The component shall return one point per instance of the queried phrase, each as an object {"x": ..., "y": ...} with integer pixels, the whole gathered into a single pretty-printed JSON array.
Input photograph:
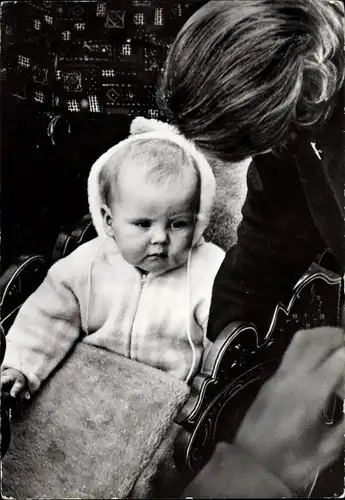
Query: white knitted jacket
[{"x": 95, "y": 295}]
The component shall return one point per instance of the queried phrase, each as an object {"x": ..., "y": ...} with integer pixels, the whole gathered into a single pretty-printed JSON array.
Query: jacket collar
[{"x": 325, "y": 207}]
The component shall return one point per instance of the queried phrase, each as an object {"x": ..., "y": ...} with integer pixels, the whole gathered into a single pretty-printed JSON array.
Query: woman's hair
[{"x": 242, "y": 74}]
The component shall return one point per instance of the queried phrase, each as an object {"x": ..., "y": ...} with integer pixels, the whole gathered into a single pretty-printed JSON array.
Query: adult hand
[{"x": 284, "y": 429}]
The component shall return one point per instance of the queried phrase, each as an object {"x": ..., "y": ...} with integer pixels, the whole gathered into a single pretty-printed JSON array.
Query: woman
[
  {"x": 244, "y": 77},
  {"x": 263, "y": 79}
]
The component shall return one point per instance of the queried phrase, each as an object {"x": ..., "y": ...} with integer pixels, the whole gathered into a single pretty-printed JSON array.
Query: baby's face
[{"x": 153, "y": 225}]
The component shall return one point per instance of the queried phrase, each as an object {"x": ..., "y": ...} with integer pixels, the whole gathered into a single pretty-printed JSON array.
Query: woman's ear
[{"x": 107, "y": 221}]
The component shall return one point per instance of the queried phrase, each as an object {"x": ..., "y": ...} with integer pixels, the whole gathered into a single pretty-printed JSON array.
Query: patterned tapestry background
[{"x": 100, "y": 57}]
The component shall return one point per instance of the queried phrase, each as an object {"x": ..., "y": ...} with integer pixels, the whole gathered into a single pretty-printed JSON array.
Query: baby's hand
[{"x": 14, "y": 382}]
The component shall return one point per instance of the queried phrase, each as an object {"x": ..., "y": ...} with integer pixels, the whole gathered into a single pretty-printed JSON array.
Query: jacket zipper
[{"x": 142, "y": 284}]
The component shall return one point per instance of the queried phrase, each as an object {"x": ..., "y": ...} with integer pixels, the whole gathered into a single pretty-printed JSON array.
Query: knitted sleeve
[{"x": 46, "y": 327}]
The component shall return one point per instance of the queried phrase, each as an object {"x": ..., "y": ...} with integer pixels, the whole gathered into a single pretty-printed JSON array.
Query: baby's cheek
[
  {"x": 179, "y": 242},
  {"x": 137, "y": 251},
  {"x": 188, "y": 240},
  {"x": 133, "y": 251},
  {"x": 180, "y": 255}
]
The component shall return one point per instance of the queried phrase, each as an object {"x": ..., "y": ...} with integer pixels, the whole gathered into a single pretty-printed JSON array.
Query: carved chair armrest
[
  {"x": 5, "y": 405},
  {"x": 233, "y": 364},
  {"x": 214, "y": 373},
  {"x": 17, "y": 283},
  {"x": 242, "y": 359},
  {"x": 2, "y": 344},
  {"x": 69, "y": 240}
]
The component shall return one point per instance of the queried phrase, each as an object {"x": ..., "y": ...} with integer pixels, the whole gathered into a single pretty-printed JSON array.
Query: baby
[{"x": 143, "y": 287}]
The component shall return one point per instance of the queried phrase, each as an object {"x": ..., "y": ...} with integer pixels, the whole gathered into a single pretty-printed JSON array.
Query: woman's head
[{"x": 241, "y": 73}]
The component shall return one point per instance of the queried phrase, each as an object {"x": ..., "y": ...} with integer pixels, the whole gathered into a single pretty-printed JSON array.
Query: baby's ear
[{"x": 107, "y": 221}]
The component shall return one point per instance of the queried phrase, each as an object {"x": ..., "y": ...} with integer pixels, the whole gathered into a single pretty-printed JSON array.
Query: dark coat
[{"x": 294, "y": 210}]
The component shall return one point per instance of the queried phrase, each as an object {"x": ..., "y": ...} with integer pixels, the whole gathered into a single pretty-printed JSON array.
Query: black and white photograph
[{"x": 172, "y": 309}]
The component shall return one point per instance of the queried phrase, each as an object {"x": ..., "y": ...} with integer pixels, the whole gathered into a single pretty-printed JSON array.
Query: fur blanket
[
  {"x": 101, "y": 427},
  {"x": 231, "y": 191}
]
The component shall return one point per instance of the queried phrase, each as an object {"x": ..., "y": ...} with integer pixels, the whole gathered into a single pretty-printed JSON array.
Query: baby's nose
[{"x": 159, "y": 235}]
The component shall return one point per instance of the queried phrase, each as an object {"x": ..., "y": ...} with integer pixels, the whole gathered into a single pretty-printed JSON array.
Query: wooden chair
[
  {"x": 240, "y": 360},
  {"x": 19, "y": 281}
]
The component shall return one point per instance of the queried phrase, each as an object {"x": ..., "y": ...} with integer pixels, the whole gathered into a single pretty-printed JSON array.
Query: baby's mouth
[{"x": 158, "y": 255}]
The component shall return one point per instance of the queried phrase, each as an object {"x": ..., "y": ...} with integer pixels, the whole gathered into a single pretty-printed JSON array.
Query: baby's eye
[
  {"x": 179, "y": 224},
  {"x": 145, "y": 224}
]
